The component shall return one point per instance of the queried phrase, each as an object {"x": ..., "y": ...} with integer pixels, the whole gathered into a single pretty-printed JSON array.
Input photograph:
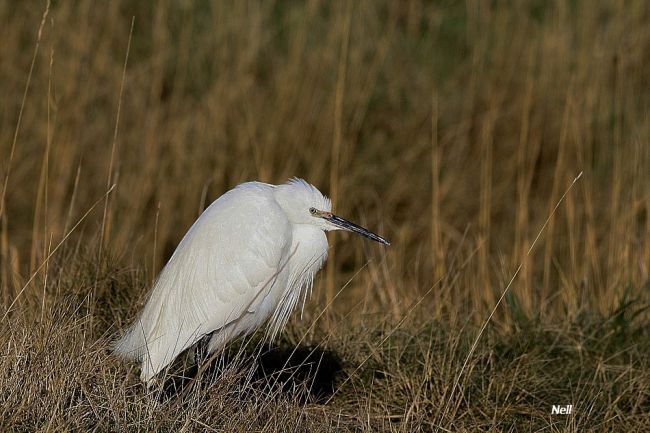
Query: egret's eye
[{"x": 312, "y": 211}]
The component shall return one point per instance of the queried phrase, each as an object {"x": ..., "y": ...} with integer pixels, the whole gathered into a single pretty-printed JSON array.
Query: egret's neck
[{"x": 309, "y": 249}]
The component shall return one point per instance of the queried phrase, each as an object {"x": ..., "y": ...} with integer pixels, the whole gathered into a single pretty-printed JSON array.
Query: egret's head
[{"x": 304, "y": 204}]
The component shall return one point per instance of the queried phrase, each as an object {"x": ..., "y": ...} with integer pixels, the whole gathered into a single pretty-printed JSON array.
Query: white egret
[{"x": 246, "y": 261}]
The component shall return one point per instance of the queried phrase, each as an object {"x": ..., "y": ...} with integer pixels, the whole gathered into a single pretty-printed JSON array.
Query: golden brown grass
[{"x": 454, "y": 128}]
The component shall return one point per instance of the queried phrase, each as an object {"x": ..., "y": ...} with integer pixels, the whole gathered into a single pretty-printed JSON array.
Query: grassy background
[{"x": 452, "y": 128}]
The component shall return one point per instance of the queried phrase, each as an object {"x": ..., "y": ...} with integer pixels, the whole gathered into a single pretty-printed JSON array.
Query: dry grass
[{"x": 451, "y": 127}]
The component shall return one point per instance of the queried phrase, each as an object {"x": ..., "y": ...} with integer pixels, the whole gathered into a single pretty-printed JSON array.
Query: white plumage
[{"x": 246, "y": 260}]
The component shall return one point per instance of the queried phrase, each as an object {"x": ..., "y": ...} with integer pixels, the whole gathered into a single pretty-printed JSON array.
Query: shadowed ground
[{"x": 301, "y": 373}]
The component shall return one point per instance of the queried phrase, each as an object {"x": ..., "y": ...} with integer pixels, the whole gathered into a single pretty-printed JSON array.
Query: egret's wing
[{"x": 229, "y": 256}]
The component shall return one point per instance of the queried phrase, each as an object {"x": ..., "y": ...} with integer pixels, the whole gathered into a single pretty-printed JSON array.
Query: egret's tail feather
[
  {"x": 132, "y": 345},
  {"x": 154, "y": 352}
]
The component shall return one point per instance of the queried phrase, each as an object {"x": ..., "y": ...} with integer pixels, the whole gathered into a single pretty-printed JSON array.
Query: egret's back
[{"x": 223, "y": 268}]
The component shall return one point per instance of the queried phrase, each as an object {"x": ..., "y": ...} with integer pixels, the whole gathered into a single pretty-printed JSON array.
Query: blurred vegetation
[{"x": 452, "y": 128}]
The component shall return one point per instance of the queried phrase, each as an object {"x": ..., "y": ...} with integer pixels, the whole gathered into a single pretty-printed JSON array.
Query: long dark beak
[{"x": 352, "y": 227}]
